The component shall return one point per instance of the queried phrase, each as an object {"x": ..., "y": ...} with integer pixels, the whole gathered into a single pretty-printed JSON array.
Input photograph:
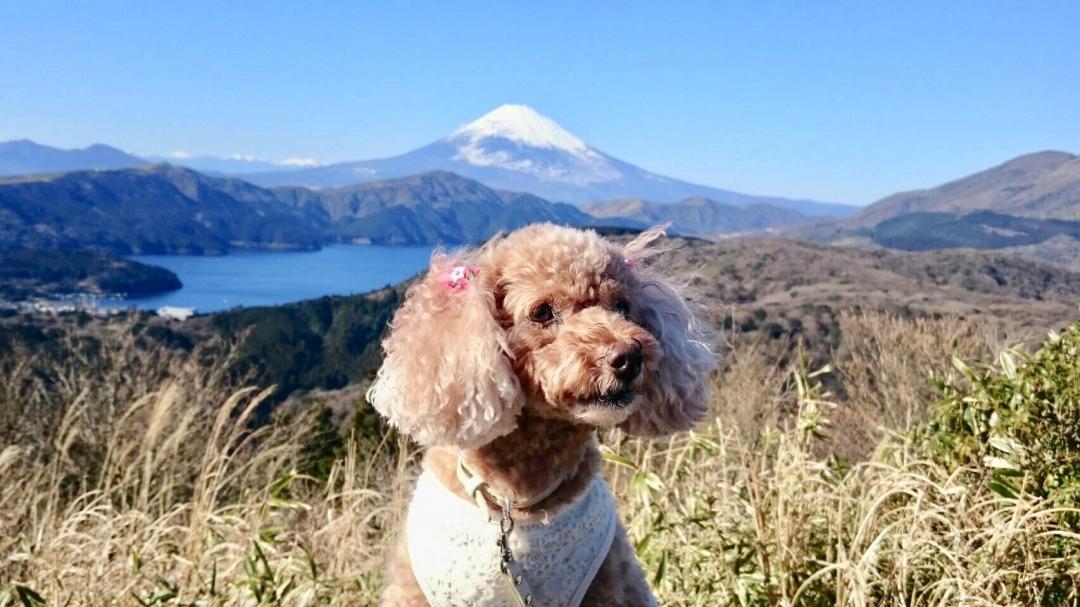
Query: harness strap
[{"x": 480, "y": 490}]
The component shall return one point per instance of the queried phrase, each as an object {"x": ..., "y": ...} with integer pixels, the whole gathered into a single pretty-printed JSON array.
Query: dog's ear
[
  {"x": 447, "y": 377},
  {"x": 677, "y": 397}
]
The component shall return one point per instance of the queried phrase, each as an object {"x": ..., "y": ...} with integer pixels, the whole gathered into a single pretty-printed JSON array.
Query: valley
[
  {"x": 998, "y": 248},
  {"x": 1020, "y": 210},
  {"x": 780, "y": 295}
]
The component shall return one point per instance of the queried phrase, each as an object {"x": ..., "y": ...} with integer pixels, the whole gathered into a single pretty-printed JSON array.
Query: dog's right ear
[{"x": 447, "y": 377}]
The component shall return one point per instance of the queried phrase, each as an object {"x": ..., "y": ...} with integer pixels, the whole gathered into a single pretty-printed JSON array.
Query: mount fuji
[{"x": 516, "y": 148}]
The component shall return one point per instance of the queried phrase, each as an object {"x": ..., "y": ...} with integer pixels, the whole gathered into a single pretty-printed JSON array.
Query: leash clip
[{"x": 515, "y": 574}]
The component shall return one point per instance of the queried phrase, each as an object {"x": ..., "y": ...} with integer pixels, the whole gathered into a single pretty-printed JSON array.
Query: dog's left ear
[
  {"x": 677, "y": 398},
  {"x": 447, "y": 377}
]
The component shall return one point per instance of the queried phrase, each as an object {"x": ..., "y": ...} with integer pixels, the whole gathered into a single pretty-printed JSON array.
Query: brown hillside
[
  {"x": 786, "y": 289},
  {"x": 1044, "y": 185}
]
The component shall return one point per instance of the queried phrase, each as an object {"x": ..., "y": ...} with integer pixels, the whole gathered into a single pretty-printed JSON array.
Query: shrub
[
  {"x": 1019, "y": 421},
  {"x": 719, "y": 521}
]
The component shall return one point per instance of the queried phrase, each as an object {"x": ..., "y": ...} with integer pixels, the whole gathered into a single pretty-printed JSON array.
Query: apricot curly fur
[{"x": 514, "y": 372}]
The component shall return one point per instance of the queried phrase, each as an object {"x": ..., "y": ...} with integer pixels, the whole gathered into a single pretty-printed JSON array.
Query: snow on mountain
[
  {"x": 234, "y": 164},
  {"x": 517, "y": 138},
  {"x": 523, "y": 124},
  {"x": 299, "y": 161},
  {"x": 516, "y": 148}
]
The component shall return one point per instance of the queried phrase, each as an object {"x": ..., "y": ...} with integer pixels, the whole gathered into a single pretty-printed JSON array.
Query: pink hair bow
[{"x": 457, "y": 279}]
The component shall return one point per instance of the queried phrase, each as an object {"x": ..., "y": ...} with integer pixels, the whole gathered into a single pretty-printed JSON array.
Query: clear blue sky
[{"x": 844, "y": 101}]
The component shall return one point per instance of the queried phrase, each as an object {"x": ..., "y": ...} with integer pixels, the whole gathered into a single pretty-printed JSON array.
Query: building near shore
[{"x": 175, "y": 313}]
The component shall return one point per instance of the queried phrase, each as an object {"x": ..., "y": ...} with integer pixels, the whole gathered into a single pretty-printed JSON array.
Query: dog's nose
[{"x": 626, "y": 361}]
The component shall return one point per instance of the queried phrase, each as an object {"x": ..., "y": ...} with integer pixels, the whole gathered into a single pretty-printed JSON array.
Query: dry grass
[
  {"x": 175, "y": 499},
  {"x": 720, "y": 522},
  {"x": 164, "y": 495},
  {"x": 886, "y": 369}
]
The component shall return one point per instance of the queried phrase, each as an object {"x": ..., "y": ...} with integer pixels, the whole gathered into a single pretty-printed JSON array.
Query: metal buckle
[{"x": 515, "y": 574}]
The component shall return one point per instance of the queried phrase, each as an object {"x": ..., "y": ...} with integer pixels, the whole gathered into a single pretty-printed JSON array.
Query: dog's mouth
[{"x": 616, "y": 398}]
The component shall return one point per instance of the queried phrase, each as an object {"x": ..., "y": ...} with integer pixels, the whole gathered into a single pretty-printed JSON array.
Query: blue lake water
[{"x": 267, "y": 278}]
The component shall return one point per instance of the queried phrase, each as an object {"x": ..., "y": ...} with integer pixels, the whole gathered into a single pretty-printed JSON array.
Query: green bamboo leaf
[
  {"x": 970, "y": 420},
  {"x": 618, "y": 460},
  {"x": 999, "y": 463},
  {"x": 1003, "y": 487},
  {"x": 29, "y": 597},
  {"x": 1006, "y": 444},
  {"x": 1008, "y": 365},
  {"x": 661, "y": 568}
]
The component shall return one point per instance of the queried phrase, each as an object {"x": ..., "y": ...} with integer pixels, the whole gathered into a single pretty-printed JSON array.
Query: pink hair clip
[
  {"x": 458, "y": 278},
  {"x": 632, "y": 263}
]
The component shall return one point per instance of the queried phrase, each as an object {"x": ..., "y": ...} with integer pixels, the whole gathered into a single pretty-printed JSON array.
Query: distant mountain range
[
  {"x": 1043, "y": 185},
  {"x": 24, "y": 157},
  {"x": 512, "y": 148},
  {"x": 152, "y": 209},
  {"x": 434, "y": 207},
  {"x": 515, "y": 148},
  {"x": 695, "y": 216},
  {"x": 1029, "y": 205},
  {"x": 236, "y": 166},
  {"x": 167, "y": 209}
]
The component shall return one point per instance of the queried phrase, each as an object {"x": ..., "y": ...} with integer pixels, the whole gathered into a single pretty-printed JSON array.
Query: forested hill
[
  {"x": 155, "y": 209},
  {"x": 28, "y": 273},
  {"x": 167, "y": 209}
]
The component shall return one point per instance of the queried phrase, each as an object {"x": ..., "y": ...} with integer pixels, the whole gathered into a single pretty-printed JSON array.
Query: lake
[{"x": 268, "y": 278}]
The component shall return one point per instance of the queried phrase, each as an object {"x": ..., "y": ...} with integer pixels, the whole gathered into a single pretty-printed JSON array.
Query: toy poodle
[{"x": 503, "y": 361}]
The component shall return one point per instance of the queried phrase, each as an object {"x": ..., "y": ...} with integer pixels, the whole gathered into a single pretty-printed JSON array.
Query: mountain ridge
[
  {"x": 150, "y": 209},
  {"x": 516, "y": 148},
  {"x": 431, "y": 207},
  {"x": 1028, "y": 205},
  {"x": 1044, "y": 185},
  {"x": 230, "y": 166},
  {"x": 168, "y": 209},
  {"x": 24, "y": 157},
  {"x": 696, "y": 215}
]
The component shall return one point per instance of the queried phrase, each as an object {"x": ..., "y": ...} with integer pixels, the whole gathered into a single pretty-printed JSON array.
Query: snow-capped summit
[
  {"x": 516, "y": 148},
  {"x": 522, "y": 124},
  {"x": 518, "y": 138}
]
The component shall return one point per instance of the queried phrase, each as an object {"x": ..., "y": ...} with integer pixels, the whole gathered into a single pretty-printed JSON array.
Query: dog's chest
[{"x": 455, "y": 558}]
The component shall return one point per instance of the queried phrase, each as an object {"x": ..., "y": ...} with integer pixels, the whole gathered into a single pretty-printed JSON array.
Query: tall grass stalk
[{"x": 128, "y": 491}]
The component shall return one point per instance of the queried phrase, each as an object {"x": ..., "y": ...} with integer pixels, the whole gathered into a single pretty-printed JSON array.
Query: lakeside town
[{"x": 87, "y": 304}]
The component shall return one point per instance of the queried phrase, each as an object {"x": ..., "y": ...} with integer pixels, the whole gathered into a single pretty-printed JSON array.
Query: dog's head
[{"x": 555, "y": 319}]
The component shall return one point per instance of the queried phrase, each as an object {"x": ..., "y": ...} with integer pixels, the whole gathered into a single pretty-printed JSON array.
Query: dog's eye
[
  {"x": 542, "y": 314},
  {"x": 621, "y": 306}
]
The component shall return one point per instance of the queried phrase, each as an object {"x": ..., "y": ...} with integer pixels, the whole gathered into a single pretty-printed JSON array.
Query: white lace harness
[{"x": 453, "y": 548}]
